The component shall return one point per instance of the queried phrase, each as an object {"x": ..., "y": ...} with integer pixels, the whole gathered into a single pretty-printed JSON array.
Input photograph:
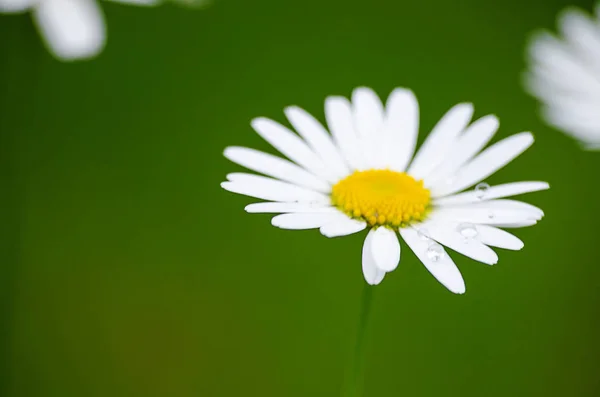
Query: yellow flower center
[{"x": 382, "y": 197}]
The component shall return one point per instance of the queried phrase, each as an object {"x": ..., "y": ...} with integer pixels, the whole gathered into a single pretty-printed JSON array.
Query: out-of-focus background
[{"x": 127, "y": 271}]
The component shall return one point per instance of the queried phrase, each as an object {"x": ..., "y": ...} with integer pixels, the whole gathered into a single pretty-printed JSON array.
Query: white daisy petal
[
  {"x": 507, "y": 206},
  {"x": 270, "y": 189},
  {"x": 401, "y": 128},
  {"x": 368, "y": 120},
  {"x": 275, "y": 167},
  {"x": 303, "y": 221},
  {"x": 318, "y": 139},
  {"x": 448, "y": 234},
  {"x": 72, "y": 29},
  {"x": 373, "y": 275},
  {"x": 494, "y": 192},
  {"x": 338, "y": 112},
  {"x": 558, "y": 60},
  {"x": 490, "y": 235},
  {"x": 436, "y": 260},
  {"x": 563, "y": 74},
  {"x": 342, "y": 227},
  {"x": 483, "y": 215},
  {"x": 353, "y": 179},
  {"x": 475, "y": 137},
  {"x": 583, "y": 34},
  {"x": 280, "y": 208},
  {"x": 488, "y": 162},
  {"x": 10, "y": 6},
  {"x": 385, "y": 249},
  {"x": 291, "y": 146},
  {"x": 368, "y": 113},
  {"x": 440, "y": 140},
  {"x": 516, "y": 224}
]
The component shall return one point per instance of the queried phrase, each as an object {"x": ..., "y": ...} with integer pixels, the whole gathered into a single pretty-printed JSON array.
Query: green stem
[{"x": 354, "y": 380}]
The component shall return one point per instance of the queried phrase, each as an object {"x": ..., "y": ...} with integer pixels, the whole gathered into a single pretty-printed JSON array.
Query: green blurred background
[{"x": 127, "y": 271}]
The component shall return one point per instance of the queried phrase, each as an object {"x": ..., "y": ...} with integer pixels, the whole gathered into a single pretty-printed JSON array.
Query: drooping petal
[
  {"x": 401, "y": 128},
  {"x": 275, "y": 167},
  {"x": 342, "y": 227},
  {"x": 487, "y": 163},
  {"x": 270, "y": 189},
  {"x": 318, "y": 139},
  {"x": 494, "y": 192},
  {"x": 385, "y": 249},
  {"x": 72, "y": 29},
  {"x": 439, "y": 263},
  {"x": 475, "y": 137},
  {"x": 492, "y": 236},
  {"x": 338, "y": 112},
  {"x": 439, "y": 142},
  {"x": 291, "y": 146},
  {"x": 448, "y": 234},
  {"x": 303, "y": 221},
  {"x": 373, "y": 275}
]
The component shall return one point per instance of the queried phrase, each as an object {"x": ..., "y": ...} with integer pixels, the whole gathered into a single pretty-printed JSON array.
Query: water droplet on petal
[
  {"x": 481, "y": 190},
  {"x": 491, "y": 215},
  {"x": 467, "y": 230},
  {"x": 435, "y": 252}
]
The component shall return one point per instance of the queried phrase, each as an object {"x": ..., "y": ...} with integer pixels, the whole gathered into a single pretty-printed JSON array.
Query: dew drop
[
  {"x": 435, "y": 252},
  {"x": 491, "y": 215},
  {"x": 467, "y": 230},
  {"x": 481, "y": 190}
]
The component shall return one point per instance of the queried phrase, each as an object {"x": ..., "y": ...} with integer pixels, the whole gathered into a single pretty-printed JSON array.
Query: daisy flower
[
  {"x": 564, "y": 74},
  {"x": 362, "y": 175},
  {"x": 71, "y": 29}
]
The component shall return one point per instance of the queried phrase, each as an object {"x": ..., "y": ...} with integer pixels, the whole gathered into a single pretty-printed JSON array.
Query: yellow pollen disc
[{"x": 382, "y": 197}]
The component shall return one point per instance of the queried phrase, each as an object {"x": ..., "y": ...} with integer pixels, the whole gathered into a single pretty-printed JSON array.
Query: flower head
[
  {"x": 71, "y": 29},
  {"x": 564, "y": 74},
  {"x": 362, "y": 174}
]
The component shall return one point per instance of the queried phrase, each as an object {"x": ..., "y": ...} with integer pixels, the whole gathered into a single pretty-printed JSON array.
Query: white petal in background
[
  {"x": 72, "y": 29},
  {"x": 10, "y": 6}
]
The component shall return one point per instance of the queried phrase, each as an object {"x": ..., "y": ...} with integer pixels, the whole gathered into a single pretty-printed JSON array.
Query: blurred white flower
[
  {"x": 71, "y": 29},
  {"x": 564, "y": 74},
  {"x": 365, "y": 175}
]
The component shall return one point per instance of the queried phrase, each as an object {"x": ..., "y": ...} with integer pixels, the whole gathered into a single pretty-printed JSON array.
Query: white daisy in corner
[
  {"x": 71, "y": 29},
  {"x": 564, "y": 74},
  {"x": 363, "y": 175}
]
